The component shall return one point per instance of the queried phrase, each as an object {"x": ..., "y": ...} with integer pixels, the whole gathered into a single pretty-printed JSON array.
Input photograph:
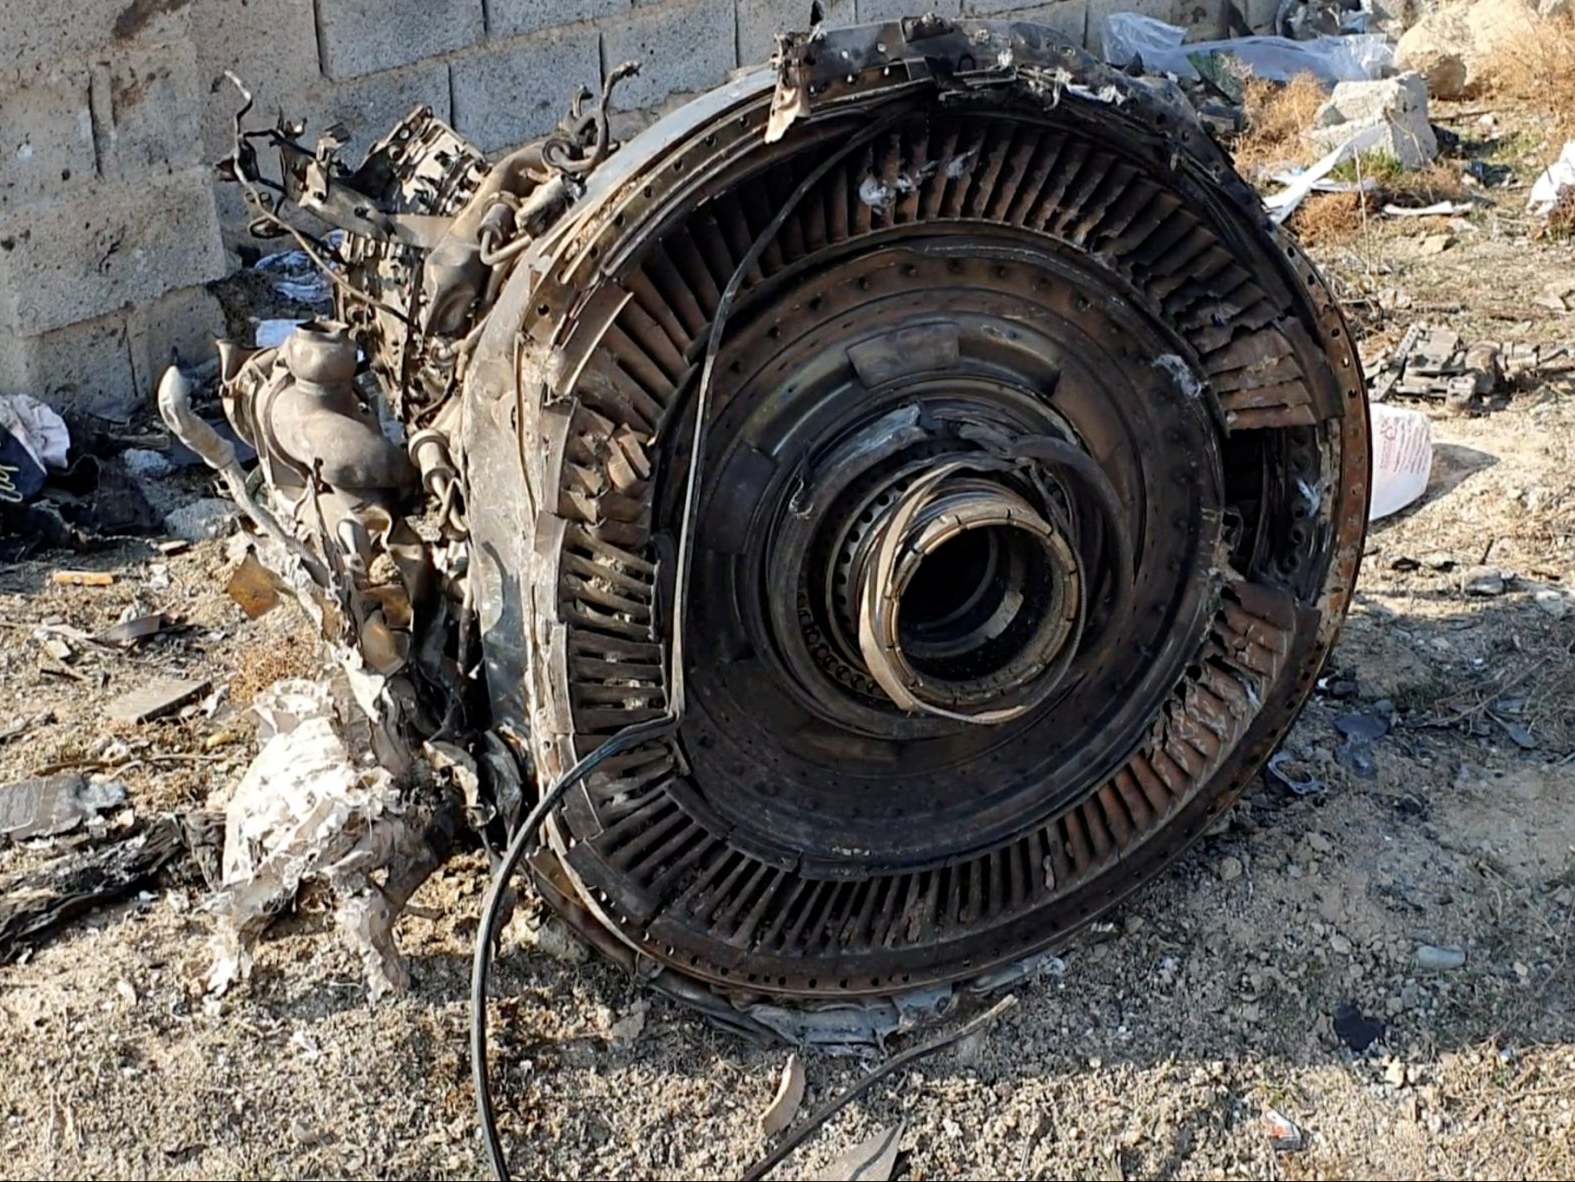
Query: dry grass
[
  {"x": 1540, "y": 73},
  {"x": 1560, "y": 225},
  {"x": 1332, "y": 219},
  {"x": 1276, "y": 117}
]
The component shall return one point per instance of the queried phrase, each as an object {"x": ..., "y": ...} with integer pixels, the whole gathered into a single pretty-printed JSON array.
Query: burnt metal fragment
[{"x": 928, "y": 436}]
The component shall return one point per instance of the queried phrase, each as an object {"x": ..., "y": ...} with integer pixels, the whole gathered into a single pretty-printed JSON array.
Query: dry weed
[
  {"x": 1540, "y": 73},
  {"x": 1332, "y": 219},
  {"x": 1276, "y": 117}
]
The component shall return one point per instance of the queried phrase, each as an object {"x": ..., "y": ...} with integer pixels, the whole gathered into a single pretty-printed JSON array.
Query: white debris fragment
[
  {"x": 1181, "y": 373},
  {"x": 1558, "y": 176},
  {"x": 40, "y": 431},
  {"x": 270, "y": 334},
  {"x": 1402, "y": 458},
  {"x": 296, "y": 277},
  {"x": 789, "y": 1095},
  {"x": 305, "y": 811}
]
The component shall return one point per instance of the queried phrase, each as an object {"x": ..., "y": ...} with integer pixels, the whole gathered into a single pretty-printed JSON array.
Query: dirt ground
[{"x": 1227, "y": 990}]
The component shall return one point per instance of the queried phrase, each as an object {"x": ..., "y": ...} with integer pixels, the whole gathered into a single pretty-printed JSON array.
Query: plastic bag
[
  {"x": 1161, "y": 48},
  {"x": 1561, "y": 175},
  {"x": 1402, "y": 458}
]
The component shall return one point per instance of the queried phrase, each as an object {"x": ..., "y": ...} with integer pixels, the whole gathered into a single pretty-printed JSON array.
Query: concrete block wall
[{"x": 112, "y": 112}]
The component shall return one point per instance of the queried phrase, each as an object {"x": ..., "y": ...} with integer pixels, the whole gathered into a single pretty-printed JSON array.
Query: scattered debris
[
  {"x": 783, "y": 1108},
  {"x": 1229, "y": 868},
  {"x": 1389, "y": 115},
  {"x": 1432, "y": 959},
  {"x": 1554, "y": 602},
  {"x": 1356, "y": 1030},
  {"x": 1558, "y": 176},
  {"x": 297, "y": 278},
  {"x": 133, "y": 630},
  {"x": 48, "y": 806},
  {"x": 34, "y": 904},
  {"x": 305, "y": 811},
  {"x": 1482, "y": 581},
  {"x": 873, "y": 1159},
  {"x": 254, "y": 587},
  {"x": 1293, "y": 775},
  {"x": 161, "y": 696},
  {"x": 82, "y": 578},
  {"x": 1438, "y": 209},
  {"x": 1285, "y": 1135}
]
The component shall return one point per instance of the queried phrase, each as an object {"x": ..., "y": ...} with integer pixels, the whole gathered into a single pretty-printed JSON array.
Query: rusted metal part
[{"x": 1029, "y": 496}]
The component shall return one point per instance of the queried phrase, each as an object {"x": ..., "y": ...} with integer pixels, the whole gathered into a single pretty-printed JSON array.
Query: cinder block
[
  {"x": 514, "y": 18},
  {"x": 179, "y": 325},
  {"x": 271, "y": 45},
  {"x": 1067, "y": 17},
  {"x": 759, "y": 21},
  {"x": 370, "y": 106},
  {"x": 85, "y": 367},
  {"x": 682, "y": 45},
  {"x": 121, "y": 243},
  {"x": 364, "y": 36},
  {"x": 890, "y": 10},
  {"x": 1098, "y": 10},
  {"x": 520, "y": 90},
  {"x": 46, "y": 133},
  {"x": 53, "y": 31},
  {"x": 146, "y": 109}
]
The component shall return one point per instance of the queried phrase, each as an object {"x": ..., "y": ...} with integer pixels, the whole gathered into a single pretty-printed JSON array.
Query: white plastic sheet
[
  {"x": 37, "y": 428},
  {"x": 1162, "y": 48},
  {"x": 1560, "y": 175}
]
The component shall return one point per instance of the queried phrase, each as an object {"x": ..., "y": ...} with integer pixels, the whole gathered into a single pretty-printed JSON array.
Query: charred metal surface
[{"x": 1032, "y": 493}]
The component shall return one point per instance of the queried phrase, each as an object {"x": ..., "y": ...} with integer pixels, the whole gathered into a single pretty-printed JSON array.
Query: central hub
[{"x": 968, "y": 597}]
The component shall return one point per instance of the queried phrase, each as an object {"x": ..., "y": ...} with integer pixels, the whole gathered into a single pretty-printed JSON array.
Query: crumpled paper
[{"x": 304, "y": 811}]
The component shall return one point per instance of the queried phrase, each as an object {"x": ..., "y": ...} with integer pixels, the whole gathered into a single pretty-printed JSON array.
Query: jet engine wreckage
[{"x": 878, "y": 516}]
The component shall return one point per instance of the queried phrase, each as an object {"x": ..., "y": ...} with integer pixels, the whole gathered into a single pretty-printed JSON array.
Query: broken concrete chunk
[
  {"x": 48, "y": 806},
  {"x": 1453, "y": 44},
  {"x": 163, "y": 695},
  {"x": 1395, "y": 107},
  {"x": 204, "y": 518}
]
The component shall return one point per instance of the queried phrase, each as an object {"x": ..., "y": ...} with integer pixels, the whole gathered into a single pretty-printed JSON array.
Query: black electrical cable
[
  {"x": 481, "y": 965},
  {"x": 640, "y": 732}
]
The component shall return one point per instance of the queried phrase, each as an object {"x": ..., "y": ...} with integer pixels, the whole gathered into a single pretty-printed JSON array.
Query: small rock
[
  {"x": 1438, "y": 560},
  {"x": 1340, "y": 944},
  {"x": 1555, "y": 603},
  {"x": 206, "y": 517},
  {"x": 1436, "y": 243},
  {"x": 1482, "y": 580},
  {"x": 1320, "y": 843},
  {"x": 1229, "y": 868},
  {"x": 1394, "y": 1074},
  {"x": 142, "y": 461},
  {"x": 1432, "y": 959}
]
